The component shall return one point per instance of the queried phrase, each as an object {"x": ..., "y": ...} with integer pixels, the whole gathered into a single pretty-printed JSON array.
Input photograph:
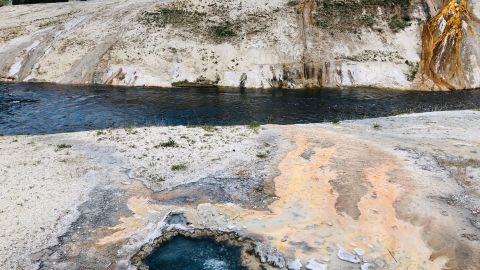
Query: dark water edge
[
  {"x": 182, "y": 253},
  {"x": 40, "y": 108}
]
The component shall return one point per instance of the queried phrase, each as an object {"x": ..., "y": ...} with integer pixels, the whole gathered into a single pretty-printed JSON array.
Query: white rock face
[{"x": 157, "y": 43}]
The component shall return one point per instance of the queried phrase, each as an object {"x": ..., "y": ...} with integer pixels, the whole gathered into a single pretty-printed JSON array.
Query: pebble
[
  {"x": 367, "y": 266},
  {"x": 294, "y": 265},
  {"x": 314, "y": 265},
  {"x": 347, "y": 256}
]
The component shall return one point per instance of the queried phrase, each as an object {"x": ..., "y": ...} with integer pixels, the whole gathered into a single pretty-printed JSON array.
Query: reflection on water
[
  {"x": 182, "y": 253},
  {"x": 48, "y": 108}
]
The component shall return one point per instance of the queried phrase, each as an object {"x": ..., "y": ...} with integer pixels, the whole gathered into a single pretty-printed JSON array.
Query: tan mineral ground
[{"x": 389, "y": 193}]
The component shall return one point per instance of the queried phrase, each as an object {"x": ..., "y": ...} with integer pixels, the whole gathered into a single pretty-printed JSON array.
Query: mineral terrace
[{"x": 390, "y": 193}]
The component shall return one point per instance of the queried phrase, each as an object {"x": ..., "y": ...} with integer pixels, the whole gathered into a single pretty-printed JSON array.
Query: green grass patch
[
  {"x": 412, "y": 70},
  {"x": 169, "y": 143},
  {"x": 178, "y": 167},
  {"x": 223, "y": 30},
  {"x": 62, "y": 147},
  {"x": 397, "y": 23},
  {"x": 262, "y": 155},
  {"x": 253, "y": 125}
]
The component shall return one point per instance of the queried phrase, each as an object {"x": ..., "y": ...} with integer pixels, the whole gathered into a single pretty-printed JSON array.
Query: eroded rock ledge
[{"x": 398, "y": 44}]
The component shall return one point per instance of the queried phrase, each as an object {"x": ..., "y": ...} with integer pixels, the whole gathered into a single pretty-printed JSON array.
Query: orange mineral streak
[
  {"x": 304, "y": 221},
  {"x": 305, "y": 211},
  {"x": 441, "y": 45}
]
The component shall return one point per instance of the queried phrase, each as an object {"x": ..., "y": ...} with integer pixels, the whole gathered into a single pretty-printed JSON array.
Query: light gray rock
[
  {"x": 359, "y": 251},
  {"x": 294, "y": 265},
  {"x": 347, "y": 256},
  {"x": 367, "y": 266},
  {"x": 314, "y": 265}
]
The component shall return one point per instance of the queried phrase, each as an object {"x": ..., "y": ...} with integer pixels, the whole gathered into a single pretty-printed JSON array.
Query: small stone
[
  {"x": 347, "y": 256},
  {"x": 294, "y": 265},
  {"x": 314, "y": 265},
  {"x": 367, "y": 266},
  {"x": 359, "y": 251}
]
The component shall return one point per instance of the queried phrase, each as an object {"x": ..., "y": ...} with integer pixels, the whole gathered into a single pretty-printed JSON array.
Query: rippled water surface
[
  {"x": 49, "y": 108},
  {"x": 182, "y": 253}
]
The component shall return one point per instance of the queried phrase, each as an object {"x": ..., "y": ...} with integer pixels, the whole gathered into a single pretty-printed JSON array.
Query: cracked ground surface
[{"x": 388, "y": 193}]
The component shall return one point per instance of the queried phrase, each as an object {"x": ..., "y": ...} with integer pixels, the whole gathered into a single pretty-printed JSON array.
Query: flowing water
[
  {"x": 50, "y": 108},
  {"x": 182, "y": 253}
]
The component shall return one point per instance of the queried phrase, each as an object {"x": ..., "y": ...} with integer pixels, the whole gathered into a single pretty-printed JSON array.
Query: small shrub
[
  {"x": 412, "y": 70},
  {"x": 376, "y": 126},
  {"x": 253, "y": 125},
  {"x": 223, "y": 30},
  {"x": 178, "y": 167},
  {"x": 336, "y": 121},
  {"x": 180, "y": 83},
  {"x": 292, "y": 3},
  {"x": 368, "y": 20},
  {"x": 63, "y": 146},
  {"x": 397, "y": 23},
  {"x": 262, "y": 155},
  {"x": 169, "y": 143}
]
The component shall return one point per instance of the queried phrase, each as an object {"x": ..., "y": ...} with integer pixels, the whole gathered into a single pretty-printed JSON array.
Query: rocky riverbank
[
  {"x": 398, "y": 44},
  {"x": 388, "y": 193}
]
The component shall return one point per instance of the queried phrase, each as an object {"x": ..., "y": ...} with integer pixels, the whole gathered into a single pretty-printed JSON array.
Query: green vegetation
[
  {"x": 336, "y": 121},
  {"x": 169, "y": 143},
  {"x": 166, "y": 15},
  {"x": 397, "y": 23},
  {"x": 207, "y": 128},
  {"x": 367, "y": 20},
  {"x": 412, "y": 71},
  {"x": 262, "y": 155},
  {"x": 346, "y": 15},
  {"x": 253, "y": 125},
  {"x": 376, "y": 126},
  {"x": 386, "y": 3},
  {"x": 180, "y": 83},
  {"x": 178, "y": 167},
  {"x": 223, "y": 30},
  {"x": 5, "y": 3},
  {"x": 62, "y": 146},
  {"x": 292, "y": 3}
]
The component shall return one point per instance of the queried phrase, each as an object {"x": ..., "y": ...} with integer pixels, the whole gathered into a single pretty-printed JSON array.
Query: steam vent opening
[{"x": 204, "y": 253}]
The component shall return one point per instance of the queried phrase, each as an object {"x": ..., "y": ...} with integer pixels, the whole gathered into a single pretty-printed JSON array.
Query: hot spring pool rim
[{"x": 249, "y": 253}]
